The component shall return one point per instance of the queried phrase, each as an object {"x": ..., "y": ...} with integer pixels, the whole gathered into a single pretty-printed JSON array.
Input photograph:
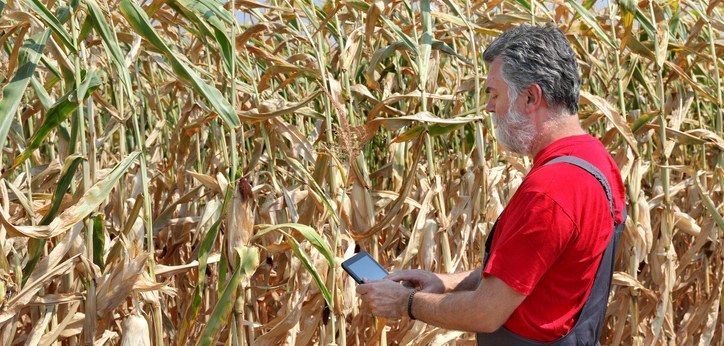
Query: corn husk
[{"x": 135, "y": 331}]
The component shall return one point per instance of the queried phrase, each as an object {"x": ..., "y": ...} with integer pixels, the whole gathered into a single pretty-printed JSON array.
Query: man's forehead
[{"x": 493, "y": 81}]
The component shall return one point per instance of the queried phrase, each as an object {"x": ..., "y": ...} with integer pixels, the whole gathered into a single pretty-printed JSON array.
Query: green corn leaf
[
  {"x": 201, "y": 13},
  {"x": 307, "y": 262},
  {"x": 381, "y": 54},
  {"x": 62, "y": 109},
  {"x": 645, "y": 23},
  {"x": 208, "y": 7},
  {"x": 309, "y": 233},
  {"x": 425, "y": 42},
  {"x": 35, "y": 250},
  {"x": 48, "y": 18},
  {"x": 360, "y": 5},
  {"x": 445, "y": 48},
  {"x": 643, "y": 120},
  {"x": 590, "y": 20},
  {"x": 588, "y": 4},
  {"x": 309, "y": 14},
  {"x": 66, "y": 178},
  {"x": 42, "y": 95},
  {"x": 433, "y": 130},
  {"x": 457, "y": 12},
  {"x": 410, "y": 134},
  {"x": 249, "y": 260},
  {"x": 111, "y": 43},
  {"x": 709, "y": 204},
  {"x": 28, "y": 58},
  {"x": 409, "y": 42},
  {"x": 57, "y": 74},
  {"x": 85, "y": 29},
  {"x": 98, "y": 241},
  {"x": 225, "y": 44},
  {"x": 526, "y": 4},
  {"x": 140, "y": 23},
  {"x": 210, "y": 10},
  {"x": 639, "y": 48},
  {"x": 223, "y": 268},
  {"x": 646, "y": 84},
  {"x": 138, "y": 19}
]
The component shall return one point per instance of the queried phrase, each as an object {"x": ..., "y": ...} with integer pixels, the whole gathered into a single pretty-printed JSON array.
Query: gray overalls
[{"x": 587, "y": 329}]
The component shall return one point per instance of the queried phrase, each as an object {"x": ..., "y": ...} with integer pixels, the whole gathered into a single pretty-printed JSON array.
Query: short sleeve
[{"x": 530, "y": 236}]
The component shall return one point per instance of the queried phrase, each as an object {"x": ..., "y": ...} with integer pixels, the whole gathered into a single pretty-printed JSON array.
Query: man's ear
[{"x": 533, "y": 96}]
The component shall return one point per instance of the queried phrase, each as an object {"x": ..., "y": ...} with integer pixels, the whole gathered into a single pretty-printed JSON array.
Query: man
[{"x": 549, "y": 241}]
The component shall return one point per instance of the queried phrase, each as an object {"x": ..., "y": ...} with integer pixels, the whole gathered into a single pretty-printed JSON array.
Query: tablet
[{"x": 362, "y": 266}]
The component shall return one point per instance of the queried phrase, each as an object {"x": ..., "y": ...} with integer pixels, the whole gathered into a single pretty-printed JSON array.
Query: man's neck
[{"x": 553, "y": 129}]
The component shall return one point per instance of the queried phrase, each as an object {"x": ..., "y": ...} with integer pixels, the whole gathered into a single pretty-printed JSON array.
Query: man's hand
[
  {"x": 386, "y": 298},
  {"x": 425, "y": 281}
]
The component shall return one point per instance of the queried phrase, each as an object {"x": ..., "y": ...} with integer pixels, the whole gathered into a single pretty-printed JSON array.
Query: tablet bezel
[{"x": 358, "y": 256}]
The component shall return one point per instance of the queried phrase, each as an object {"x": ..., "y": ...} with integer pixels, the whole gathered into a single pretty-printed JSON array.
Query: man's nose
[{"x": 490, "y": 107}]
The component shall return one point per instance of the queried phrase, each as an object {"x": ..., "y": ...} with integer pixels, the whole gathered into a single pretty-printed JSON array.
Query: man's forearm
[
  {"x": 483, "y": 309},
  {"x": 464, "y": 281},
  {"x": 455, "y": 311}
]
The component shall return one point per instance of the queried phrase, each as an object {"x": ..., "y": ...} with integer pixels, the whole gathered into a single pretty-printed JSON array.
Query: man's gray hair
[{"x": 540, "y": 55}]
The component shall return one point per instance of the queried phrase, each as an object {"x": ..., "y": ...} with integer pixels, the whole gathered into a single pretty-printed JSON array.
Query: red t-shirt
[{"x": 550, "y": 238}]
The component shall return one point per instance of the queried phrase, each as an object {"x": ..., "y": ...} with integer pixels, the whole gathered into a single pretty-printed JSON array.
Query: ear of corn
[
  {"x": 135, "y": 331},
  {"x": 231, "y": 154}
]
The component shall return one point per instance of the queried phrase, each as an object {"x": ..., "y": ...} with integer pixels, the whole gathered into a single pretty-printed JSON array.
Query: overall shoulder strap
[{"x": 594, "y": 172}]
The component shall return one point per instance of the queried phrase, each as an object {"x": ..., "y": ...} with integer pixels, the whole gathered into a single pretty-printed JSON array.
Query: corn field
[{"x": 181, "y": 172}]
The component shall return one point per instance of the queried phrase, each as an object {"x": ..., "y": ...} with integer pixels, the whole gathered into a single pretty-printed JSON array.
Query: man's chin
[{"x": 511, "y": 148}]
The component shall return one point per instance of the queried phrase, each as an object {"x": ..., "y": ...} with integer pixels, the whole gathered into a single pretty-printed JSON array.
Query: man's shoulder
[
  {"x": 555, "y": 178},
  {"x": 568, "y": 186}
]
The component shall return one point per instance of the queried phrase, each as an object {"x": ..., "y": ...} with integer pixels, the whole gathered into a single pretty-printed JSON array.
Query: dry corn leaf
[
  {"x": 114, "y": 286},
  {"x": 285, "y": 323},
  {"x": 72, "y": 317},
  {"x": 177, "y": 269},
  {"x": 22, "y": 298},
  {"x": 428, "y": 251},
  {"x": 625, "y": 279},
  {"x": 614, "y": 117},
  {"x": 105, "y": 338}
]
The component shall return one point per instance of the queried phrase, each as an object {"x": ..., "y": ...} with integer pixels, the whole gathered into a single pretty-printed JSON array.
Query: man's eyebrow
[{"x": 487, "y": 90}]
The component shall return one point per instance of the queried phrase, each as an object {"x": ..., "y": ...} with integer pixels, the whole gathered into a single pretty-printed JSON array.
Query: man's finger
[
  {"x": 363, "y": 289},
  {"x": 408, "y": 284},
  {"x": 404, "y": 275},
  {"x": 429, "y": 289}
]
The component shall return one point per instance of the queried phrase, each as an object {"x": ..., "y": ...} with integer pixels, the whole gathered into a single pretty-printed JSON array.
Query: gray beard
[{"x": 515, "y": 132}]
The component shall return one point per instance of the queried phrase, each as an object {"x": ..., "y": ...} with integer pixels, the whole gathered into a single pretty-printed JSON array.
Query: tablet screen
[{"x": 366, "y": 268}]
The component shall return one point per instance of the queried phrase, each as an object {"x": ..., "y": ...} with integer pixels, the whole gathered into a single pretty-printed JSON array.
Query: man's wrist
[{"x": 410, "y": 300}]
